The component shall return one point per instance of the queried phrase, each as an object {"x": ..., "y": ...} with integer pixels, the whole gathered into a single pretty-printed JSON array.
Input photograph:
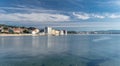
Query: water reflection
[
  {"x": 35, "y": 42},
  {"x": 71, "y": 50},
  {"x": 48, "y": 45},
  {"x": 2, "y": 42},
  {"x": 57, "y": 45}
]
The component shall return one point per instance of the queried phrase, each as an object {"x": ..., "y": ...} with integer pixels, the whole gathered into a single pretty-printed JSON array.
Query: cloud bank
[
  {"x": 44, "y": 15},
  {"x": 34, "y": 17},
  {"x": 86, "y": 16}
]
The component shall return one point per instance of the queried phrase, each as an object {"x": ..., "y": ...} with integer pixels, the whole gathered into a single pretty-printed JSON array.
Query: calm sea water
[{"x": 71, "y": 50}]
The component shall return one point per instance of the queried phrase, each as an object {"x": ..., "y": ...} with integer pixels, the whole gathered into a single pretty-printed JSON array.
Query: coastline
[
  {"x": 19, "y": 35},
  {"x": 45, "y": 35}
]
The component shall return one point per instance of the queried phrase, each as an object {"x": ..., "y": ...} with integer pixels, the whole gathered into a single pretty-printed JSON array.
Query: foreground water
[{"x": 71, "y": 50}]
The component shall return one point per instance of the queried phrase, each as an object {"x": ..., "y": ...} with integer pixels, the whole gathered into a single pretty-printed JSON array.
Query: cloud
[
  {"x": 97, "y": 16},
  {"x": 2, "y": 11},
  {"x": 117, "y": 2},
  {"x": 27, "y": 9},
  {"x": 114, "y": 16},
  {"x": 44, "y": 15},
  {"x": 84, "y": 24},
  {"x": 34, "y": 17},
  {"x": 108, "y": 3},
  {"x": 114, "y": 2},
  {"x": 82, "y": 16},
  {"x": 86, "y": 16}
]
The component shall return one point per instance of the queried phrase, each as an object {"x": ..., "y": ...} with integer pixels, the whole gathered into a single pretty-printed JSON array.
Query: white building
[
  {"x": 48, "y": 30},
  {"x": 36, "y": 31},
  {"x": 61, "y": 32}
]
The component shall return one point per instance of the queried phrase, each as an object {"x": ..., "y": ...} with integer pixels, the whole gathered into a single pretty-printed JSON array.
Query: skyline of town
[
  {"x": 10, "y": 30},
  {"x": 23, "y": 30}
]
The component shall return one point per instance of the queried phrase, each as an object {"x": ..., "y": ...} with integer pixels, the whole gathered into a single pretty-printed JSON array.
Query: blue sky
[{"x": 68, "y": 14}]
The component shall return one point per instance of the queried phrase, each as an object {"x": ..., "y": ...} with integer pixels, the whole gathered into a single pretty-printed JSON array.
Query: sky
[{"x": 62, "y": 14}]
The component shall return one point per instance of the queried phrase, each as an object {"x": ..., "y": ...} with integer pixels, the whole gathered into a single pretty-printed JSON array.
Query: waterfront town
[
  {"x": 15, "y": 30},
  {"x": 6, "y": 29}
]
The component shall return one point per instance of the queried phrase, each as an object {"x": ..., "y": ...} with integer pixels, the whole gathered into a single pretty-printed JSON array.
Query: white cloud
[
  {"x": 51, "y": 16},
  {"x": 114, "y": 16},
  {"x": 27, "y": 9},
  {"x": 107, "y": 15},
  {"x": 82, "y": 16},
  {"x": 97, "y": 16},
  {"x": 115, "y": 3},
  {"x": 85, "y": 16},
  {"x": 34, "y": 17}
]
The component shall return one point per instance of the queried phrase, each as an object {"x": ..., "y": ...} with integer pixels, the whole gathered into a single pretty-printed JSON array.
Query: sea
[{"x": 66, "y": 50}]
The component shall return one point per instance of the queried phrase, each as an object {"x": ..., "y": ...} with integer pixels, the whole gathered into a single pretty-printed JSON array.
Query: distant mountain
[{"x": 100, "y": 32}]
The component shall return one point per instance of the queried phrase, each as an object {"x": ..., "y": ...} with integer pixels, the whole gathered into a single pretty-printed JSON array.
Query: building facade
[{"x": 48, "y": 30}]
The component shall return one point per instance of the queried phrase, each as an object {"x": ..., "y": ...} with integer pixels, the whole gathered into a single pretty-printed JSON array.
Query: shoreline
[
  {"x": 19, "y": 35},
  {"x": 45, "y": 35}
]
